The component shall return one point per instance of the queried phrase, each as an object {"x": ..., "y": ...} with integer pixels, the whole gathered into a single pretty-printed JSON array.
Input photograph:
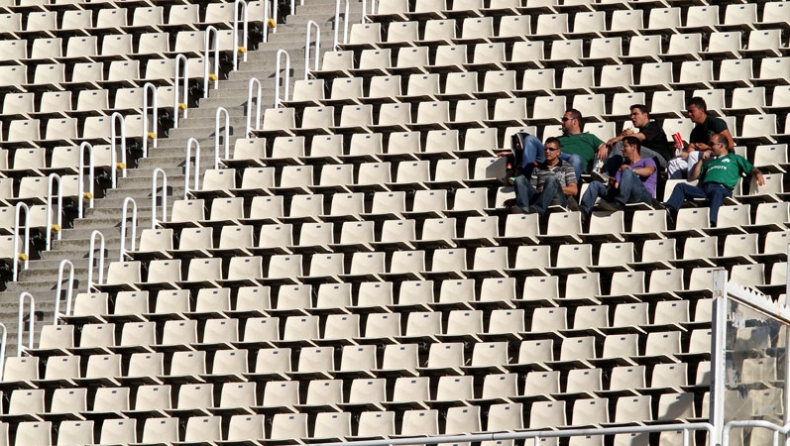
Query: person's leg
[
  {"x": 524, "y": 192},
  {"x": 594, "y": 190},
  {"x": 677, "y": 167},
  {"x": 550, "y": 189},
  {"x": 716, "y": 194},
  {"x": 614, "y": 160},
  {"x": 631, "y": 189},
  {"x": 576, "y": 162},
  {"x": 681, "y": 193}
]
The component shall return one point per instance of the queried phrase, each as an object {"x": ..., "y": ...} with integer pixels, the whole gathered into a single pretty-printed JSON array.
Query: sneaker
[
  {"x": 600, "y": 176},
  {"x": 516, "y": 209},
  {"x": 610, "y": 206},
  {"x": 533, "y": 210}
]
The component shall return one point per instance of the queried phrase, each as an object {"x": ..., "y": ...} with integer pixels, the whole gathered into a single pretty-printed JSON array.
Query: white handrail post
[
  {"x": 210, "y": 31},
  {"x": 150, "y": 89},
  {"x": 117, "y": 119},
  {"x": 25, "y": 296},
  {"x": 180, "y": 101},
  {"x": 50, "y": 180},
  {"x": 336, "y": 42},
  {"x": 70, "y": 292},
  {"x": 3, "y": 346},
  {"x": 94, "y": 235},
  {"x": 191, "y": 142},
  {"x": 365, "y": 9},
  {"x": 221, "y": 112},
  {"x": 17, "y": 211},
  {"x": 154, "y": 184},
  {"x": 236, "y": 47},
  {"x": 91, "y": 175},
  {"x": 124, "y": 214},
  {"x": 277, "y": 79},
  {"x": 310, "y": 25},
  {"x": 253, "y": 81},
  {"x": 265, "y": 37}
]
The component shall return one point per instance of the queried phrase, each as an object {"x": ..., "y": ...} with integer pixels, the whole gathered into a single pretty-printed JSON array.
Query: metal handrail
[
  {"x": 3, "y": 347},
  {"x": 209, "y": 32},
  {"x": 96, "y": 233},
  {"x": 725, "y": 434},
  {"x": 150, "y": 89},
  {"x": 17, "y": 254},
  {"x": 253, "y": 81},
  {"x": 236, "y": 47},
  {"x": 117, "y": 118},
  {"x": 91, "y": 174},
  {"x": 308, "y": 33},
  {"x": 52, "y": 177},
  {"x": 163, "y": 204},
  {"x": 365, "y": 9},
  {"x": 124, "y": 214},
  {"x": 180, "y": 102},
  {"x": 69, "y": 294},
  {"x": 536, "y": 436},
  {"x": 336, "y": 43},
  {"x": 191, "y": 142},
  {"x": 278, "y": 67},
  {"x": 266, "y": 17},
  {"x": 30, "y": 323},
  {"x": 221, "y": 111}
]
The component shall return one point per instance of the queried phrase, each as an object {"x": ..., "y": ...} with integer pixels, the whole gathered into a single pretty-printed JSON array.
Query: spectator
[
  {"x": 526, "y": 151},
  {"x": 651, "y": 136},
  {"x": 551, "y": 183},
  {"x": 718, "y": 171},
  {"x": 634, "y": 182},
  {"x": 578, "y": 148},
  {"x": 706, "y": 126}
]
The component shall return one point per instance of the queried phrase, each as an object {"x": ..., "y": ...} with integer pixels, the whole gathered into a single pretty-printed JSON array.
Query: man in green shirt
[
  {"x": 718, "y": 171},
  {"x": 578, "y": 148}
]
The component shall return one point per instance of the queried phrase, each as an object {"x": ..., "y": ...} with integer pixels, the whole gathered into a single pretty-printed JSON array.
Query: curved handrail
[
  {"x": 25, "y": 257},
  {"x": 163, "y": 204},
  {"x": 308, "y": 33},
  {"x": 337, "y": 24},
  {"x": 116, "y": 119},
  {"x": 236, "y": 47},
  {"x": 30, "y": 323},
  {"x": 191, "y": 142},
  {"x": 253, "y": 81},
  {"x": 725, "y": 434},
  {"x": 207, "y": 48},
  {"x": 266, "y": 14},
  {"x": 149, "y": 88},
  {"x": 180, "y": 102},
  {"x": 69, "y": 294},
  {"x": 91, "y": 174},
  {"x": 365, "y": 9},
  {"x": 124, "y": 214},
  {"x": 59, "y": 225},
  {"x": 94, "y": 234},
  {"x": 221, "y": 111},
  {"x": 278, "y": 67}
]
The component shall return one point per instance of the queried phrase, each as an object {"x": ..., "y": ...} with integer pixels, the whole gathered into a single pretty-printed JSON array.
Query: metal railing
[
  {"x": 94, "y": 235},
  {"x": 69, "y": 293},
  {"x": 163, "y": 204},
  {"x": 246, "y": 24},
  {"x": 117, "y": 118},
  {"x": 220, "y": 113},
  {"x": 20, "y": 348},
  {"x": 91, "y": 178},
  {"x": 191, "y": 142},
  {"x": 149, "y": 90},
  {"x": 124, "y": 215},
  {"x": 50, "y": 228},
  {"x": 277, "y": 77},
  {"x": 311, "y": 25},
  {"x": 214, "y": 76},
  {"x": 24, "y": 256},
  {"x": 180, "y": 101},
  {"x": 253, "y": 82}
]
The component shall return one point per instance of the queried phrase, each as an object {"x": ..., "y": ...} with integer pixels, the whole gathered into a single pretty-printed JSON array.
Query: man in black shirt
[{"x": 651, "y": 136}]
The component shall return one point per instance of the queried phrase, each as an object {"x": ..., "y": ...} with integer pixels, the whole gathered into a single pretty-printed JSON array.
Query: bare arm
[
  {"x": 697, "y": 167},
  {"x": 570, "y": 190}
]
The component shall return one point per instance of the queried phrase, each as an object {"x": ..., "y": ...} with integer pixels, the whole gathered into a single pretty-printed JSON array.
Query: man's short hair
[
  {"x": 698, "y": 102},
  {"x": 641, "y": 108},
  {"x": 575, "y": 114},
  {"x": 552, "y": 140},
  {"x": 633, "y": 141}
]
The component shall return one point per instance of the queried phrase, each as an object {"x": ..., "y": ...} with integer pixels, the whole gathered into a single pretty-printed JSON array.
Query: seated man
[
  {"x": 579, "y": 148},
  {"x": 550, "y": 183},
  {"x": 635, "y": 182},
  {"x": 718, "y": 171},
  {"x": 705, "y": 126},
  {"x": 652, "y": 138}
]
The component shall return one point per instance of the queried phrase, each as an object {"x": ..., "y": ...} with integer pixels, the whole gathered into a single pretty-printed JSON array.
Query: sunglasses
[
  {"x": 551, "y": 149},
  {"x": 565, "y": 119}
]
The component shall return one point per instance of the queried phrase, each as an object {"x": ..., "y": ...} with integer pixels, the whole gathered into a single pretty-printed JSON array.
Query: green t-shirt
[
  {"x": 726, "y": 170},
  {"x": 583, "y": 144}
]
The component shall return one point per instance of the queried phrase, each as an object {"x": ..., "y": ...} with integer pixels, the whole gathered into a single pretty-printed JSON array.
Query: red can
[{"x": 678, "y": 139}]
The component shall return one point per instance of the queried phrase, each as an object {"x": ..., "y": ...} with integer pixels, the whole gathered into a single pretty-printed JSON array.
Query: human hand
[{"x": 603, "y": 153}]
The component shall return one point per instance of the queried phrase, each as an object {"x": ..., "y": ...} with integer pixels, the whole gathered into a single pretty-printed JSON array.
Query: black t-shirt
[
  {"x": 656, "y": 139},
  {"x": 701, "y": 133}
]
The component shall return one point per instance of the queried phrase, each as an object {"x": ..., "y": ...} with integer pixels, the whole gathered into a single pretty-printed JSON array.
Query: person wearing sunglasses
[
  {"x": 578, "y": 148},
  {"x": 718, "y": 171},
  {"x": 551, "y": 182},
  {"x": 705, "y": 127}
]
